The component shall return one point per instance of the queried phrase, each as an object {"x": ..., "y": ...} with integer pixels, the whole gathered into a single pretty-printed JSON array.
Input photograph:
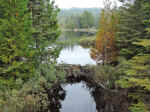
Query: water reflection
[
  {"x": 85, "y": 96},
  {"x": 70, "y": 35},
  {"x": 71, "y": 52},
  {"x": 70, "y": 39},
  {"x": 76, "y": 55},
  {"x": 78, "y": 99}
]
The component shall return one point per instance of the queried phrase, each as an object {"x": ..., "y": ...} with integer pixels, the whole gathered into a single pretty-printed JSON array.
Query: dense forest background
[{"x": 79, "y": 18}]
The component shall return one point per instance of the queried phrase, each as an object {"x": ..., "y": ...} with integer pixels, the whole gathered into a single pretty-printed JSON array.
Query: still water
[
  {"x": 78, "y": 99},
  {"x": 72, "y": 52},
  {"x": 76, "y": 55}
]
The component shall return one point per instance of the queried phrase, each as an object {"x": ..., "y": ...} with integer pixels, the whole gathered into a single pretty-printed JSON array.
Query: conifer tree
[
  {"x": 86, "y": 20},
  {"x": 132, "y": 26},
  {"x": 44, "y": 17},
  {"x": 105, "y": 41},
  {"x": 16, "y": 54},
  {"x": 46, "y": 32},
  {"x": 135, "y": 46}
]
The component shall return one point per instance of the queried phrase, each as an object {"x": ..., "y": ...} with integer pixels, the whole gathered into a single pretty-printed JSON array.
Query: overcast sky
[{"x": 80, "y": 3}]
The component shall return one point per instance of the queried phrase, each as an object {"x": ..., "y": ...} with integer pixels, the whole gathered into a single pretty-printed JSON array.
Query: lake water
[
  {"x": 78, "y": 99},
  {"x": 76, "y": 55},
  {"x": 73, "y": 53}
]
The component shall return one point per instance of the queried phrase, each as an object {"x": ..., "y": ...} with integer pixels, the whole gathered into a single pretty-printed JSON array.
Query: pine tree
[
  {"x": 135, "y": 46},
  {"x": 137, "y": 72},
  {"x": 16, "y": 53},
  {"x": 44, "y": 16},
  {"x": 132, "y": 27},
  {"x": 46, "y": 32}
]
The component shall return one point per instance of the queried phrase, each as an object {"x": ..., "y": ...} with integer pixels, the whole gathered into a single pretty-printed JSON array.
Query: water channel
[
  {"x": 79, "y": 96},
  {"x": 78, "y": 99}
]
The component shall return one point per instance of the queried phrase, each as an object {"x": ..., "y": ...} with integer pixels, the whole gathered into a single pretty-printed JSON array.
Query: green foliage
[
  {"x": 72, "y": 22},
  {"x": 71, "y": 18},
  {"x": 86, "y": 20},
  {"x": 27, "y": 30},
  {"x": 25, "y": 99},
  {"x": 46, "y": 31},
  {"x": 107, "y": 75},
  {"x": 130, "y": 31},
  {"x": 16, "y": 44},
  {"x": 78, "y": 21},
  {"x": 143, "y": 42},
  {"x": 134, "y": 43},
  {"x": 139, "y": 107},
  {"x": 137, "y": 73},
  {"x": 50, "y": 73},
  {"x": 145, "y": 46},
  {"x": 88, "y": 41}
]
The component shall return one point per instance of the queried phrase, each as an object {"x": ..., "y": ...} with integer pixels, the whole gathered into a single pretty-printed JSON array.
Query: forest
[
  {"x": 79, "y": 18},
  {"x": 46, "y": 69}
]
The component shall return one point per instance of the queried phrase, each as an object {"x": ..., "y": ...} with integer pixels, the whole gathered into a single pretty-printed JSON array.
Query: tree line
[{"x": 79, "y": 19}]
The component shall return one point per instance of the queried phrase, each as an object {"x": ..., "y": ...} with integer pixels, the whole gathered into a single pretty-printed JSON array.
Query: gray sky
[{"x": 80, "y": 3}]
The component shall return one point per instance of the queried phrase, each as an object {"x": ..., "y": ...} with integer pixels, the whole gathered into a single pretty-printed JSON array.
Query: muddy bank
[{"x": 107, "y": 101}]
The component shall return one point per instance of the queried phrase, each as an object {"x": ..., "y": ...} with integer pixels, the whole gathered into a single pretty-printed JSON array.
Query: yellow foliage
[
  {"x": 143, "y": 42},
  {"x": 137, "y": 73},
  {"x": 105, "y": 41}
]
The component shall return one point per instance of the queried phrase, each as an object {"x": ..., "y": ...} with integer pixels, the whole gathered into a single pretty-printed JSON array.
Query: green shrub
[{"x": 139, "y": 107}]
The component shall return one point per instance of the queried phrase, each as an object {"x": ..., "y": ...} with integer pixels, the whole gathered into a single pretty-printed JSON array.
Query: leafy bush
[
  {"x": 139, "y": 107},
  {"x": 24, "y": 100}
]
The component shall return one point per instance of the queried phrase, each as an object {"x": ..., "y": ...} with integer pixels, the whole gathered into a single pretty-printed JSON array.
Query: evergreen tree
[
  {"x": 46, "y": 32},
  {"x": 132, "y": 26},
  {"x": 44, "y": 17},
  {"x": 134, "y": 41},
  {"x": 137, "y": 72},
  {"x": 16, "y": 44},
  {"x": 72, "y": 22},
  {"x": 86, "y": 20}
]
